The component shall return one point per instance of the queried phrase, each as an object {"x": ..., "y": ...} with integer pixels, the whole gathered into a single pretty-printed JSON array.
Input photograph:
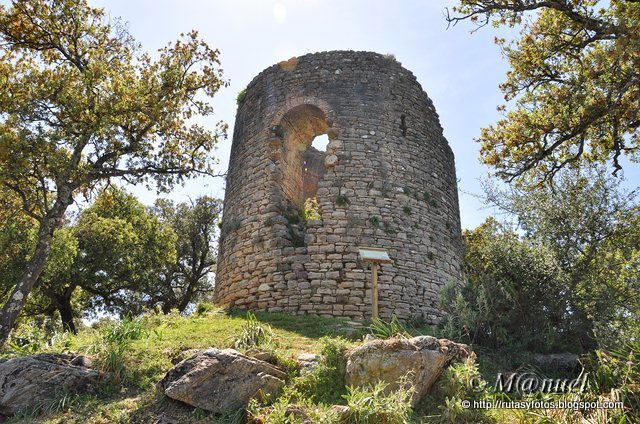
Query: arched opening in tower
[{"x": 305, "y": 144}]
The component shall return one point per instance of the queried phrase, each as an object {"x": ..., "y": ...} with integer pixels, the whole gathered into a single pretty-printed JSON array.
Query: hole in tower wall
[
  {"x": 304, "y": 129},
  {"x": 313, "y": 169}
]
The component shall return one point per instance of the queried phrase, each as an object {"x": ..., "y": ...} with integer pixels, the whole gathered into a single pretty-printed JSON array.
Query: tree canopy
[
  {"x": 575, "y": 82},
  {"x": 81, "y": 103}
]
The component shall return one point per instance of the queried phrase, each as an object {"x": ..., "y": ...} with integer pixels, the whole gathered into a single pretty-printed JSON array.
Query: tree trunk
[
  {"x": 52, "y": 221},
  {"x": 66, "y": 315}
]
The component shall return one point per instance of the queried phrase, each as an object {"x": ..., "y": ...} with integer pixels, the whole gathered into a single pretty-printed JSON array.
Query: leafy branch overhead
[{"x": 574, "y": 80}]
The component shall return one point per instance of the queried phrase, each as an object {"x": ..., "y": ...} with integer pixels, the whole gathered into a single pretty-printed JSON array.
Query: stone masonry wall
[{"x": 386, "y": 180}]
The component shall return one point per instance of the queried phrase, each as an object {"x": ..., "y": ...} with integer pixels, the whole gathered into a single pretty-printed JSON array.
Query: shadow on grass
[{"x": 311, "y": 326}]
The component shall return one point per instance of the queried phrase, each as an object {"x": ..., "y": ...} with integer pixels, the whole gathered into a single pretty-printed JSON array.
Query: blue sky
[{"x": 458, "y": 70}]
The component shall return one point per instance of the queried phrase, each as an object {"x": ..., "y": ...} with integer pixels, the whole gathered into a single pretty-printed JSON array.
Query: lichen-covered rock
[
  {"x": 221, "y": 380},
  {"x": 28, "y": 380},
  {"x": 557, "y": 361},
  {"x": 421, "y": 360}
]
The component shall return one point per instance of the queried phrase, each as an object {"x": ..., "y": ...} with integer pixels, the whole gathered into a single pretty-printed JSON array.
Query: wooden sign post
[{"x": 375, "y": 256}]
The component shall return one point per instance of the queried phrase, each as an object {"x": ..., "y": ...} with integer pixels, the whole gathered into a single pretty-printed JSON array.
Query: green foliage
[
  {"x": 311, "y": 209},
  {"x": 572, "y": 78},
  {"x": 113, "y": 346},
  {"x": 617, "y": 372},
  {"x": 187, "y": 279},
  {"x": 373, "y": 405},
  {"x": 374, "y": 220},
  {"x": 254, "y": 334},
  {"x": 460, "y": 382},
  {"x": 325, "y": 383},
  {"x": 125, "y": 248},
  {"x": 381, "y": 329},
  {"x": 342, "y": 200},
  {"x": 242, "y": 94},
  {"x": 407, "y": 210},
  {"x": 514, "y": 294},
  {"x": 203, "y": 308},
  {"x": 592, "y": 228}
]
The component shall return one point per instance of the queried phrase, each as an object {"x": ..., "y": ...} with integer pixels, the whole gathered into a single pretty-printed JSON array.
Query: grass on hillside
[
  {"x": 138, "y": 353},
  {"x": 149, "y": 358}
]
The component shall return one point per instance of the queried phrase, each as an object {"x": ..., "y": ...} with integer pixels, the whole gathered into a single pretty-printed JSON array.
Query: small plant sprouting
[
  {"x": 433, "y": 202},
  {"x": 388, "y": 229},
  {"x": 268, "y": 222},
  {"x": 430, "y": 256},
  {"x": 448, "y": 225},
  {"x": 342, "y": 200},
  {"x": 407, "y": 210},
  {"x": 374, "y": 220},
  {"x": 407, "y": 190},
  {"x": 242, "y": 94},
  {"x": 426, "y": 196}
]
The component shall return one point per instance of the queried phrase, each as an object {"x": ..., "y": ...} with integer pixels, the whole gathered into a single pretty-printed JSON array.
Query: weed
[
  {"x": 371, "y": 405},
  {"x": 311, "y": 209},
  {"x": 407, "y": 210},
  {"x": 113, "y": 345},
  {"x": 203, "y": 308},
  {"x": 342, "y": 200},
  {"x": 374, "y": 220},
  {"x": 386, "y": 330},
  {"x": 242, "y": 94},
  {"x": 254, "y": 334}
]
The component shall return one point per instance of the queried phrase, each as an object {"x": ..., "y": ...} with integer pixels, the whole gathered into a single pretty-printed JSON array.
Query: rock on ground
[
  {"x": 221, "y": 380},
  {"x": 557, "y": 361},
  {"x": 422, "y": 359},
  {"x": 27, "y": 381}
]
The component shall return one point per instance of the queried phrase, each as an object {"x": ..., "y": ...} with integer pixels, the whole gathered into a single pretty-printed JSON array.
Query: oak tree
[
  {"x": 81, "y": 103},
  {"x": 574, "y": 79}
]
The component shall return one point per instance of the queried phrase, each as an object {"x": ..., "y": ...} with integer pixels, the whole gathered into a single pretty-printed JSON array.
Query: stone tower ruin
[{"x": 295, "y": 216}]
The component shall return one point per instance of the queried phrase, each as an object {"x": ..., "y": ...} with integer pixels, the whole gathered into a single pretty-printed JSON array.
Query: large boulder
[
  {"x": 421, "y": 359},
  {"x": 221, "y": 380},
  {"x": 27, "y": 381}
]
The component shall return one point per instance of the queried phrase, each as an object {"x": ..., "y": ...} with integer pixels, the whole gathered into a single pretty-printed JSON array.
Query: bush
[{"x": 515, "y": 296}]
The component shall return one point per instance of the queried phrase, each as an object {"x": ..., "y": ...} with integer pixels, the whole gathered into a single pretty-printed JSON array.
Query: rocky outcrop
[
  {"x": 221, "y": 380},
  {"x": 565, "y": 362},
  {"x": 27, "y": 381},
  {"x": 419, "y": 360}
]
